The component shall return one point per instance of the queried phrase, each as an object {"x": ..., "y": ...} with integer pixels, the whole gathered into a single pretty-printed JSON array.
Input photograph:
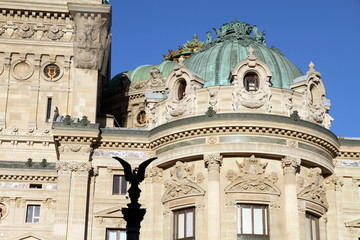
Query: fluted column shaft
[
  {"x": 290, "y": 165},
  {"x": 213, "y": 163}
]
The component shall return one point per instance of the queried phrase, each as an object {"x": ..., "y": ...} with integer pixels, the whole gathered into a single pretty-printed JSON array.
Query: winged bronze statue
[{"x": 135, "y": 177}]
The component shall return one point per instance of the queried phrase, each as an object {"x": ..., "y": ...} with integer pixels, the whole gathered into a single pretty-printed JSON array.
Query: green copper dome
[{"x": 219, "y": 56}]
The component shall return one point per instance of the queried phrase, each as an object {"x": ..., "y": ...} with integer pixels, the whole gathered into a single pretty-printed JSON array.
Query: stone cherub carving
[{"x": 135, "y": 177}]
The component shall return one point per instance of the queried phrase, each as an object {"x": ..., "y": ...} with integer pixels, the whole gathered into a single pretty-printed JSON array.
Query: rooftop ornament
[
  {"x": 188, "y": 48},
  {"x": 241, "y": 31}
]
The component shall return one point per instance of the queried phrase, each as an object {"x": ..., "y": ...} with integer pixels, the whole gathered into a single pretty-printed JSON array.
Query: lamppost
[{"x": 133, "y": 214}]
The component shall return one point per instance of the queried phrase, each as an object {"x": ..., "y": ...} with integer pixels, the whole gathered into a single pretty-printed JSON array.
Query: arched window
[
  {"x": 251, "y": 82},
  {"x": 181, "y": 88}
]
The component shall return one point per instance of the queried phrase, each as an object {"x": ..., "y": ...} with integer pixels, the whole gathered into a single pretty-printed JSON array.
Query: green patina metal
[{"x": 215, "y": 60}]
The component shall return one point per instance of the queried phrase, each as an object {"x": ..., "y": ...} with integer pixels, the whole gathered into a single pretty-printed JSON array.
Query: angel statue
[{"x": 135, "y": 177}]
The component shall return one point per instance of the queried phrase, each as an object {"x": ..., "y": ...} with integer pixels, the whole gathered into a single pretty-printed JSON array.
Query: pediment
[
  {"x": 185, "y": 189},
  {"x": 354, "y": 223},
  {"x": 29, "y": 236},
  {"x": 113, "y": 212}
]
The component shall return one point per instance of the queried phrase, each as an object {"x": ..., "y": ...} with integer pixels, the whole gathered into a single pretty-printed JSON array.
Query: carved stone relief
[
  {"x": 154, "y": 174},
  {"x": 182, "y": 85},
  {"x": 75, "y": 148},
  {"x": 22, "y": 69},
  {"x": 311, "y": 186},
  {"x": 252, "y": 177},
  {"x": 91, "y": 40},
  {"x": 155, "y": 79},
  {"x": 182, "y": 182},
  {"x": 73, "y": 167}
]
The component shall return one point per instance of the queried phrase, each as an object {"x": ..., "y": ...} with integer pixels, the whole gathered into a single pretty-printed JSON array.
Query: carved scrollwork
[
  {"x": 252, "y": 178},
  {"x": 312, "y": 187},
  {"x": 181, "y": 183}
]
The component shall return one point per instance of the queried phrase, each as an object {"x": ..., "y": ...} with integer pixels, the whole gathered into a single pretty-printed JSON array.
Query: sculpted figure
[{"x": 135, "y": 177}]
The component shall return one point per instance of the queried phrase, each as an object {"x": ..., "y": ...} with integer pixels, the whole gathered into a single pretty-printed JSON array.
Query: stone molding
[
  {"x": 290, "y": 164},
  {"x": 182, "y": 183},
  {"x": 213, "y": 161},
  {"x": 62, "y": 166},
  {"x": 252, "y": 177},
  {"x": 311, "y": 186},
  {"x": 26, "y": 178},
  {"x": 346, "y": 154},
  {"x": 270, "y": 131}
]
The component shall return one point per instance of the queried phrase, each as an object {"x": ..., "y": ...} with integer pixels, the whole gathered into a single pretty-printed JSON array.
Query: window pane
[
  {"x": 123, "y": 235},
  {"x": 258, "y": 220},
  {"x": 246, "y": 220},
  {"x": 116, "y": 184},
  {"x": 29, "y": 214},
  {"x": 189, "y": 223},
  {"x": 111, "y": 235},
  {"x": 123, "y": 185},
  {"x": 181, "y": 225},
  {"x": 37, "y": 211}
]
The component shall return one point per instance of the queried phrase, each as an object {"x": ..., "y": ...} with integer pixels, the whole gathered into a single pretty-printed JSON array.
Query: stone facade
[{"x": 220, "y": 148}]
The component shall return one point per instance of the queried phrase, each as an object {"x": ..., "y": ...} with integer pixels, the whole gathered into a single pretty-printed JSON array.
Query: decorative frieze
[
  {"x": 73, "y": 167},
  {"x": 26, "y": 178},
  {"x": 252, "y": 178},
  {"x": 74, "y": 148},
  {"x": 181, "y": 183}
]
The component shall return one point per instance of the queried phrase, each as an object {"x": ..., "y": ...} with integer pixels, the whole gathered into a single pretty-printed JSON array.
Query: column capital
[
  {"x": 67, "y": 167},
  {"x": 290, "y": 164},
  {"x": 213, "y": 161}
]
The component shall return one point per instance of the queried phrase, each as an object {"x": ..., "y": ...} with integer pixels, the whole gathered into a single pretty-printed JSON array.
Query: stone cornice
[
  {"x": 262, "y": 119},
  {"x": 28, "y": 177}
]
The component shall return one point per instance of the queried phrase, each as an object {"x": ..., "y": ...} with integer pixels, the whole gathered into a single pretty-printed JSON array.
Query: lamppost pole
[{"x": 133, "y": 214}]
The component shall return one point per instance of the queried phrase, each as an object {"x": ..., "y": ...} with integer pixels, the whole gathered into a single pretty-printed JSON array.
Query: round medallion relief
[
  {"x": 141, "y": 118},
  {"x": 22, "y": 69},
  {"x": 51, "y": 71}
]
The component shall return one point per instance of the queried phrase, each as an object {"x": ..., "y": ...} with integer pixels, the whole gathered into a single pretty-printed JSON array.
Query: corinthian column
[
  {"x": 213, "y": 163},
  {"x": 290, "y": 166}
]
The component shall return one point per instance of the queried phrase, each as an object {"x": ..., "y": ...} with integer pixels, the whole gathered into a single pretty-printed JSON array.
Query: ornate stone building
[{"x": 241, "y": 135}]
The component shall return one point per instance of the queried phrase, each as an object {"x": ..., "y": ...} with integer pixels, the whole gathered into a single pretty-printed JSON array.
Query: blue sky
[{"x": 325, "y": 32}]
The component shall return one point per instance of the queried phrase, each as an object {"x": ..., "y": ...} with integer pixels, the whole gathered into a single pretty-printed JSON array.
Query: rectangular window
[
  {"x": 35, "y": 186},
  {"x": 115, "y": 234},
  {"x": 33, "y": 213},
  {"x": 48, "y": 109},
  {"x": 184, "y": 224},
  {"x": 119, "y": 185},
  {"x": 312, "y": 227},
  {"x": 253, "y": 220}
]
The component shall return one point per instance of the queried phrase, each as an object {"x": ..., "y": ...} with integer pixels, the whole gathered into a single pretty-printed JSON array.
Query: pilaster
[
  {"x": 290, "y": 166},
  {"x": 213, "y": 163}
]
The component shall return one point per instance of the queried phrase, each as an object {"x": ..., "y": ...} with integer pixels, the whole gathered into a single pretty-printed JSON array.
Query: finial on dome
[
  {"x": 311, "y": 68},
  {"x": 251, "y": 52}
]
